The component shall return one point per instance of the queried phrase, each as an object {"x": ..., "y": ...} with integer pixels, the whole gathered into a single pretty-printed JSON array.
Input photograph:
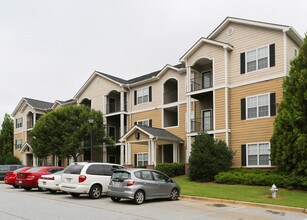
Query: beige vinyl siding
[
  {"x": 220, "y": 136},
  {"x": 214, "y": 53},
  {"x": 219, "y": 109},
  {"x": 137, "y": 148},
  {"x": 154, "y": 115},
  {"x": 17, "y": 153},
  {"x": 143, "y": 137},
  {"x": 157, "y": 91},
  {"x": 246, "y": 38},
  {"x": 96, "y": 92},
  {"x": 290, "y": 51},
  {"x": 255, "y": 130}
]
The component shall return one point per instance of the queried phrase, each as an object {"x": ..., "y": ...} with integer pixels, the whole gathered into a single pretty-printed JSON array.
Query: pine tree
[
  {"x": 289, "y": 140},
  {"x": 7, "y": 136}
]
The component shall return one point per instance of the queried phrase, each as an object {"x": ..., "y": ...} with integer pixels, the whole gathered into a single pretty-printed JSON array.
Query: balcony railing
[
  {"x": 202, "y": 124},
  {"x": 29, "y": 124},
  {"x": 170, "y": 97},
  {"x": 201, "y": 82},
  {"x": 115, "y": 107}
]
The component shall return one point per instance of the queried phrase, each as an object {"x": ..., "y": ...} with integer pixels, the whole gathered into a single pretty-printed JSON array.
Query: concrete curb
[{"x": 252, "y": 204}]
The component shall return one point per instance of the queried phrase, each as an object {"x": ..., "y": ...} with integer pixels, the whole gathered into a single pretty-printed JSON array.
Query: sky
[{"x": 49, "y": 48}]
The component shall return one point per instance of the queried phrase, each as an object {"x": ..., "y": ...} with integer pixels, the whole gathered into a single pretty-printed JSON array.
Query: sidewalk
[{"x": 251, "y": 204}]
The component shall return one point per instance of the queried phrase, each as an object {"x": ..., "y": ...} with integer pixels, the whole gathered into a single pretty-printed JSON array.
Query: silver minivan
[{"x": 141, "y": 184}]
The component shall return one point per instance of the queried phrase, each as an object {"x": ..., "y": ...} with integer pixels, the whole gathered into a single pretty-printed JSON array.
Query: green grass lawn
[{"x": 259, "y": 194}]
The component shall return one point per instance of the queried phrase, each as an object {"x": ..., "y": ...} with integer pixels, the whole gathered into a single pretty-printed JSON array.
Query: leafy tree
[
  {"x": 289, "y": 140},
  {"x": 65, "y": 132},
  {"x": 11, "y": 159},
  {"x": 7, "y": 136},
  {"x": 208, "y": 158}
]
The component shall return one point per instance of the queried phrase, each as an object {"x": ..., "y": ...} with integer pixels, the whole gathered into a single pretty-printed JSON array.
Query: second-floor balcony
[
  {"x": 201, "y": 81},
  {"x": 202, "y": 124},
  {"x": 30, "y": 124},
  {"x": 114, "y": 107},
  {"x": 170, "y": 97}
]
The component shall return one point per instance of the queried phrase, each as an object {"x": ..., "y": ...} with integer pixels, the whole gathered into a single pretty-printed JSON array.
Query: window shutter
[
  {"x": 150, "y": 93},
  {"x": 243, "y": 155},
  {"x": 243, "y": 109},
  {"x": 242, "y": 60},
  {"x": 135, "y": 160},
  {"x": 150, "y": 122},
  {"x": 135, "y": 97},
  {"x": 273, "y": 104},
  {"x": 272, "y": 55}
]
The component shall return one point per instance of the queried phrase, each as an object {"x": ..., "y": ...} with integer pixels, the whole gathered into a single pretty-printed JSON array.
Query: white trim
[
  {"x": 199, "y": 43},
  {"x": 257, "y": 80},
  {"x": 226, "y": 95},
  {"x": 257, "y": 143},
  {"x": 210, "y": 132},
  {"x": 214, "y": 112},
  {"x": 285, "y": 53},
  {"x": 137, "y": 158}
]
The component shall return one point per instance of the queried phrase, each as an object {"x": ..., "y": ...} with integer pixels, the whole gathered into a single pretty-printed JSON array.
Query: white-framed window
[
  {"x": 258, "y": 154},
  {"x": 19, "y": 122},
  {"x": 142, "y": 95},
  {"x": 143, "y": 122},
  {"x": 295, "y": 52},
  {"x": 142, "y": 159},
  {"x": 18, "y": 144},
  {"x": 257, "y": 59},
  {"x": 258, "y": 106}
]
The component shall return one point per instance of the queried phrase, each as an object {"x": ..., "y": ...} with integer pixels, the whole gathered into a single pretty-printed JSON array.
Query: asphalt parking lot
[{"x": 16, "y": 204}]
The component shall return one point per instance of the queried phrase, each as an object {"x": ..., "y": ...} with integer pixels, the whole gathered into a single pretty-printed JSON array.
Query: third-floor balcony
[
  {"x": 201, "y": 81},
  {"x": 202, "y": 124},
  {"x": 114, "y": 107}
]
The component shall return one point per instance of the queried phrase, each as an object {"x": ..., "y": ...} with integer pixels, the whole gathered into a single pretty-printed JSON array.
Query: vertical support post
[
  {"x": 122, "y": 154},
  {"x": 149, "y": 153},
  {"x": 129, "y": 153}
]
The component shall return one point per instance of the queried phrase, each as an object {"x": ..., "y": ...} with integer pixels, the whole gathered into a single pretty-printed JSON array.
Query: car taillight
[
  {"x": 82, "y": 178},
  {"x": 30, "y": 177},
  {"x": 130, "y": 182},
  {"x": 47, "y": 178}
]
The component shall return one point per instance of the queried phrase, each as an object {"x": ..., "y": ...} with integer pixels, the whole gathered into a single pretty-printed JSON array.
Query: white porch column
[
  {"x": 34, "y": 161},
  {"x": 189, "y": 147},
  {"x": 34, "y": 118},
  {"x": 24, "y": 159},
  {"x": 153, "y": 152},
  {"x": 104, "y": 153},
  {"x": 129, "y": 153},
  {"x": 162, "y": 153},
  {"x": 122, "y": 154},
  {"x": 174, "y": 153},
  {"x": 122, "y": 100},
  {"x": 188, "y": 116},
  {"x": 226, "y": 96},
  {"x": 104, "y": 107},
  {"x": 126, "y": 153},
  {"x": 122, "y": 124},
  {"x": 149, "y": 153}
]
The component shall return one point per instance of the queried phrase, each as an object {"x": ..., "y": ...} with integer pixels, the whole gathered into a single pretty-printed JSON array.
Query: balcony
[
  {"x": 170, "y": 97},
  {"x": 115, "y": 107},
  {"x": 202, "y": 124},
  {"x": 199, "y": 82},
  {"x": 29, "y": 124}
]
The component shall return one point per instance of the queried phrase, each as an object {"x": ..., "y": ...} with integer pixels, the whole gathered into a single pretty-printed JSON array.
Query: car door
[
  {"x": 149, "y": 185},
  {"x": 163, "y": 187}
]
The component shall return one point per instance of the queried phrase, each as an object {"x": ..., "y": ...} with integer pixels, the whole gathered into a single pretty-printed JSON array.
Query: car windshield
[
  {"x": 18, "y": 170},
  {"x": 74, "y": 169},
  {"x": 59, "y": 172},
  {"x": 121, "y": 175},
  {"x": 34, "y": 170}
]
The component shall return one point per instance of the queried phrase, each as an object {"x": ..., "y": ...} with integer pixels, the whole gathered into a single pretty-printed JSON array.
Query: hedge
[
  {"x": 258, "y": 177},
  {"x": 171, "y": 169}
]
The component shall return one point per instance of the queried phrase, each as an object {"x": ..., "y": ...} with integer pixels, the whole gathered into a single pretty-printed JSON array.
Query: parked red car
[
  {"x": 29, "y": 178},
  {"x": 10, "y": 177}
]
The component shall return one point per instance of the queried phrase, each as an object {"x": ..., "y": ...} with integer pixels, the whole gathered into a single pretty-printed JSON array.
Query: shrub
[
  {"x": 208, "y": 158},
  {"x": 171, "y": 169},
  {"x": 261, "y": 178},
  {"x": 11, "y": 159}
]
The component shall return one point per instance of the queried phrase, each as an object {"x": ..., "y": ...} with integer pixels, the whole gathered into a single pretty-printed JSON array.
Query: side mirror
[{"x": 169, "y": 180}]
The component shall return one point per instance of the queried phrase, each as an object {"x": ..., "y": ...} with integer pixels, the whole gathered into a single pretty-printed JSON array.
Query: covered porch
[{"x": 147, "y": 146}]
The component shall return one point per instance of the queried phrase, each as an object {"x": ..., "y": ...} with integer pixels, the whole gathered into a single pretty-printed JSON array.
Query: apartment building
[
  {"x": 228, "y": 85},
  {"x": 25, "y": 115}
]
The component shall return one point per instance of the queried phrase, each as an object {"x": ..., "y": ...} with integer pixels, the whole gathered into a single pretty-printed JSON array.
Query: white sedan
[{"x": 51, "y": 182}]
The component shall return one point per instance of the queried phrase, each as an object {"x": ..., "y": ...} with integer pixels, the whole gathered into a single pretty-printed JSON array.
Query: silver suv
[
  {"x": 87, "y": 178},
  {"x": 141, "y": 184}
]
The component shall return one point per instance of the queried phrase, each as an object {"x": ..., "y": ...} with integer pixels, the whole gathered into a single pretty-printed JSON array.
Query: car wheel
[
  {"x": 95, "y": 192},
  {"x": 115, "y": 199},
  {"x": 139, "y": 197},
  {"x": 16, "y": 186},
  {"x": 174, "y": 194},
  {"x": 27, "y": 188},
  {"x": 75, "y": 194}
]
